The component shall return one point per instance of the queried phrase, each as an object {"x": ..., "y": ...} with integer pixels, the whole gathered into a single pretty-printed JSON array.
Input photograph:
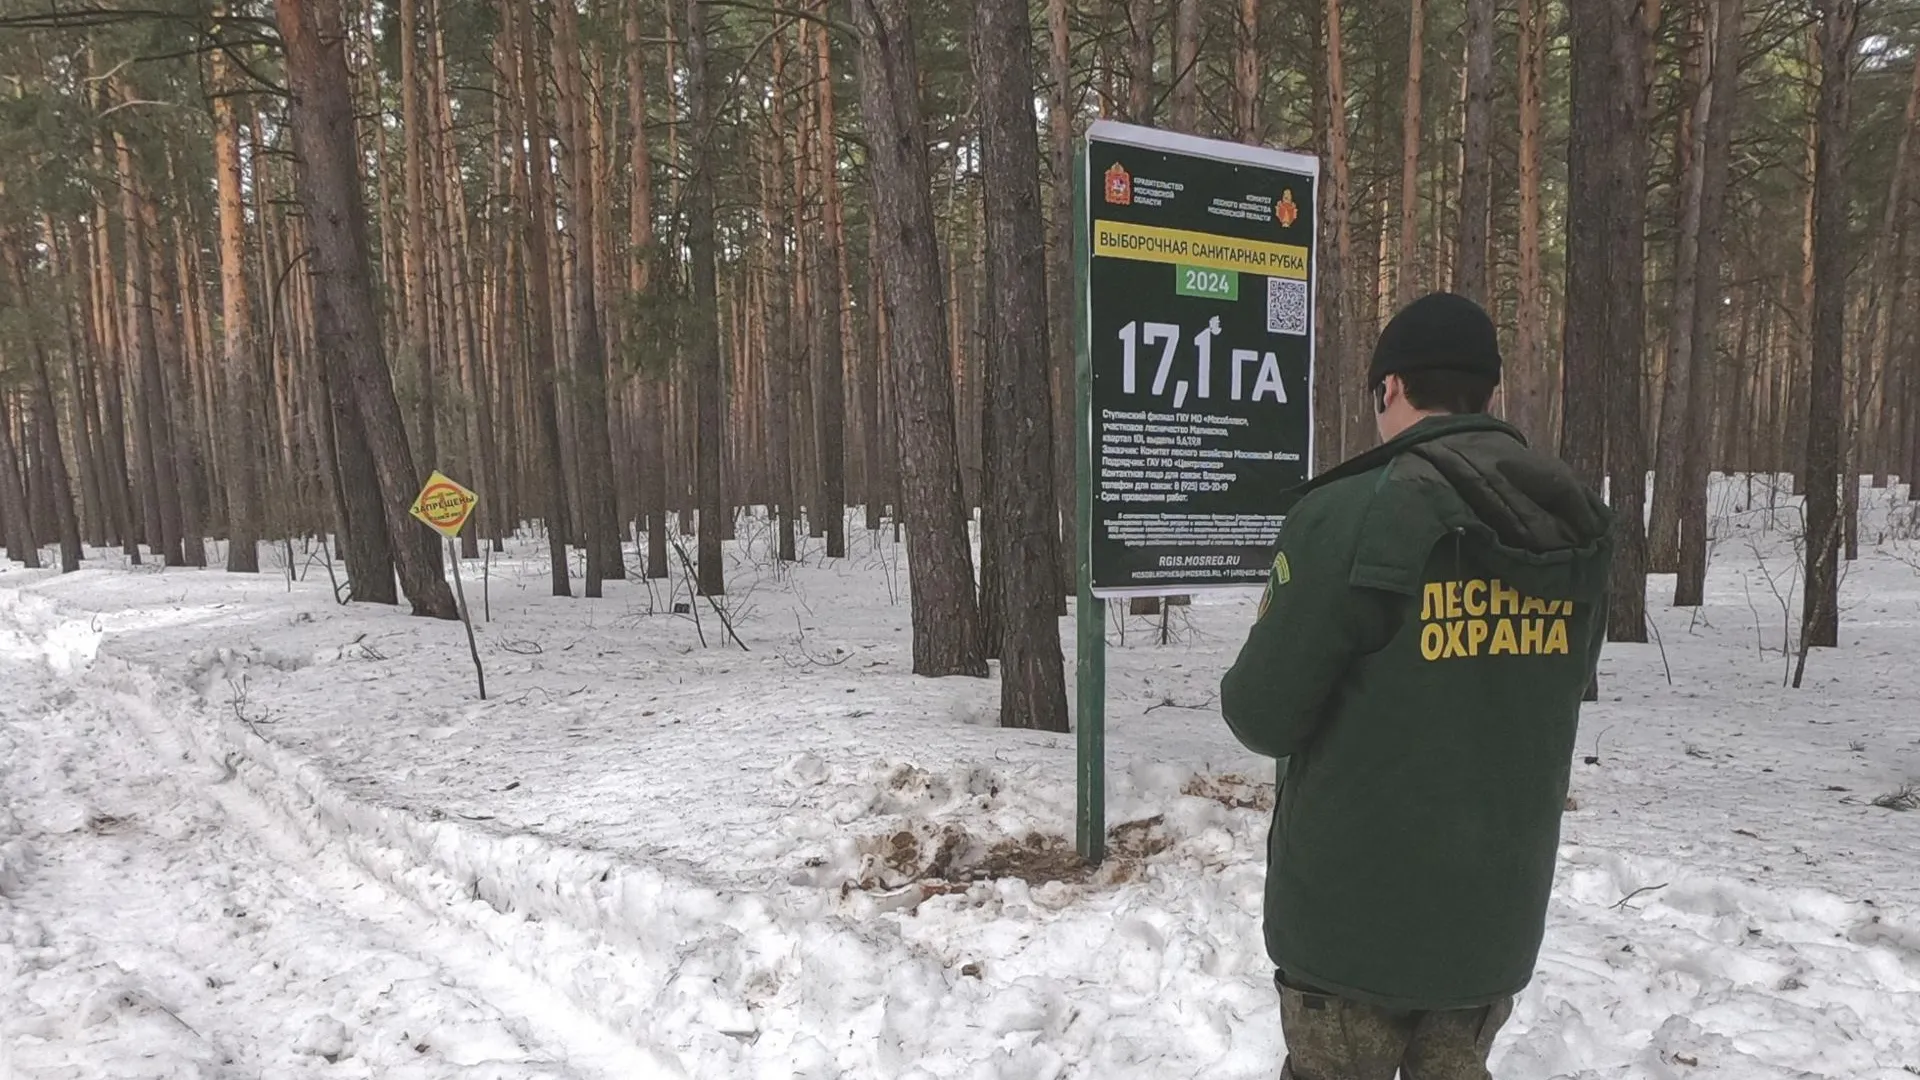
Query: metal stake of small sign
[{"x": 444, "y": 506}]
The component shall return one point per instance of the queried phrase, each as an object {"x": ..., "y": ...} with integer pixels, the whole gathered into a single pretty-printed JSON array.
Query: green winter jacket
[{"x": 1431, "y": 624}]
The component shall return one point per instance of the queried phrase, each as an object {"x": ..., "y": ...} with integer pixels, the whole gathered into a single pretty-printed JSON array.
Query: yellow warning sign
[{"x": 444, "y": 505}]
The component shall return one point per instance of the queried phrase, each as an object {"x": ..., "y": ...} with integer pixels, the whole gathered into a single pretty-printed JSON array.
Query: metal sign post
[
  {"x": 444, "y": 505},
  {"x": 1194, "y": 263},
  {"x": 1090, "y": 620}
]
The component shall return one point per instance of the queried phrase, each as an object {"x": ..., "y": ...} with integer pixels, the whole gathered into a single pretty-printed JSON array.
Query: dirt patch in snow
[
  {"x": 951, "y": 859},
  {"x": 1233, "y": 791}
]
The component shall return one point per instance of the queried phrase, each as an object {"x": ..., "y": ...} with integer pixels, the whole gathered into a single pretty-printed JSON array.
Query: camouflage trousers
[{"x": 1330, "y": 1038}]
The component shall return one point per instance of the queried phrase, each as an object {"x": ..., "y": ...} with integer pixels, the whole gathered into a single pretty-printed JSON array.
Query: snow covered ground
[{"x": 245, "y": 831}]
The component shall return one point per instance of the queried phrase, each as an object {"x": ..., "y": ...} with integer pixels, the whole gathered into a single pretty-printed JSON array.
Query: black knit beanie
[{"x": 1438, "y": 332}]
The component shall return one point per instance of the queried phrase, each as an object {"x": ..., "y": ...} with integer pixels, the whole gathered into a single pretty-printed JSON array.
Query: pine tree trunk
[
  {"x": 1032, "y": 687},
  {"x": 1626, "y": 270},
  {"x": 881, "y": 345},
  {"x": 946, "y": 636},
  {"x": 1476, "y": 174},
  {"x": 784, "y": 333},
  {"x": 1590, "y": 174},
  {"x": 1528, "y": 377},
  {"x": 203, "y": 376},
  {"x": 1061, "y": 292},
  {"x": 110, "y": 329},
  {"x": 830, "y": 372},
  {"x": 831, "y": 315},
  {"x": 594, "y": 449},
  {"x": 872, "y": 380},
  {"x": 187, "y": 511},
  {"x": 1724, "y": 46},
  {"x": 49, "y": 456},
  {"x": 1352, "y": 411},
  {"x": 238, "y": 439},
  {"x": 336, "y": 230},
  {"x": 653, "y": 463},
  {"x": 93, "y": 486},
  {"x": 60, "y": 486},
  {"x": 1682, "y": 366},
  {"x": 993, "y": 575},
  {"x": 536, "y": 207},
  {"x": 704, "y": 335},
  {"x": 416, "y": 362},
  {"x": 780, "y": 389},
  {"x": 1139, "y": 61},
  {"x": 361, "y": 520},
  {"x": 39, "y": 483},
  {"x": 1821, "y": 614},
  {"x": 15, "y": 515},
  {"x": 1406, "y": 275},
  {"x": 1887, "y": 284},
  {"x": 1909, "y": 352},
  {"x": 1246, "y": 72},
  {"x": 1794, "y": 415},
  {"x": 468, "y": 327},
  {"x": 505, "y": 319},
  {"x": 1186, "y": 63},
  {"x": 1732, "y": 450},
  {"x": 153, "y": 434},
  {"x": 807, "y": 237}
]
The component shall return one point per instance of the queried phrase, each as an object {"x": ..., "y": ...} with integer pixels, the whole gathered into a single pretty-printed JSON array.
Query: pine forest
[{"x": 648, "y": 273}]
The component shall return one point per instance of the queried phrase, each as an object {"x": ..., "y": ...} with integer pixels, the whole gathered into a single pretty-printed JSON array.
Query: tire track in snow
[{"x": 164, "y": 921}]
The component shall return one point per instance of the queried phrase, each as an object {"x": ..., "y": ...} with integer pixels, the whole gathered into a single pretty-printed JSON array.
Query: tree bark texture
[
  {"x": 1140, "y": 100},
  {"x": 1032, "y": 683},
  {"x": 15, "y": 517},
  {"x": 1528, "y": 378},
  {"x": 593, "y": 443},
  {"x": 1061, "y": 289},
  {"x": 1406, "y": 272},
  {"x": 1186, "y": 63},
  {"x": 1627, "y": 112},
  {"x": 417, "y": 357},
  {"x": 239, "y": 440},
  {"x": 946, "y": 635},
  {"x": 537, "y": 204},
  {"x": 1682, "y": 367},
  {"x": 1590, "y": 173},
  {"x": 1723, "y": 84},
  {"x": 1343, "y": 353},
  {"x": 640, "y": 242},
  {"x": 153, "y": 437},
  {"x": 1246, "y": 72},
  {"x": 336, "y": 223},
  {"x": 832, "y": 316},
  {"x": 1820, "y": 626},
  {"x": 704, "y": 337},
  {"x": 1476, "y": 175}
]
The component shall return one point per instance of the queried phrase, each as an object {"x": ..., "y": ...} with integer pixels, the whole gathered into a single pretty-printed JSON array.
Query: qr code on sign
[{"x": 1286, "y": 306}]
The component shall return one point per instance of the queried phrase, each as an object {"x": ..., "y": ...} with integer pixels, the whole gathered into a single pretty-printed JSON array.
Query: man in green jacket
[{"x": 1430, "y": 627}]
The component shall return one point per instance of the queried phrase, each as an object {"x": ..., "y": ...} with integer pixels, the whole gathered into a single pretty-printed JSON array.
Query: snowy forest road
[{"x": 158, "y": 921}]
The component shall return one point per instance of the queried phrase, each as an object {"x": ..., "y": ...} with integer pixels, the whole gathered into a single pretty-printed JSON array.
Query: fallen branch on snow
[
  {"x": 1907, "y": 798},
  {"x": 1622, "y": 902}
]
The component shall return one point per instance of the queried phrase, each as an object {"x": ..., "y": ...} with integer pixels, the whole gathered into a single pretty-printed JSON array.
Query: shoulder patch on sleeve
[{"x": 1282, "y": 574}]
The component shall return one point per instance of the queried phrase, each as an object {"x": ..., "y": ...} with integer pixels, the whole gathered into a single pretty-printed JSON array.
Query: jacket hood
[
  {"x": 1520, "y": 500},
  {"x": 1474, "y": 477}
]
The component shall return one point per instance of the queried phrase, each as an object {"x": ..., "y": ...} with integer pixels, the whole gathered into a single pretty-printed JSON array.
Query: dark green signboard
[{"x": 1200, "y": 285}]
